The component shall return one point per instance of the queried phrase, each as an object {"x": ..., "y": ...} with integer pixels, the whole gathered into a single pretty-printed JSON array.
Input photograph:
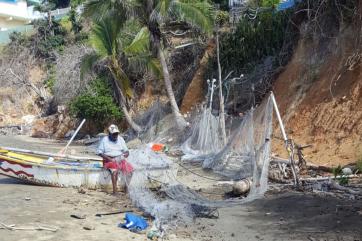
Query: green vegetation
[
  {"x": 96, "y": 104},
  {"x": 359, "y": 165},
  {"x": 50, "y": 80},
  {"x": 148, "y": 43},
  {"x": 252, "y": 41},
  {"x": 338, "y": 175},
  {"x": 270, "y": 3},
  {"x": 222, "y": 17},
  {"x": 48, "y": 38}
]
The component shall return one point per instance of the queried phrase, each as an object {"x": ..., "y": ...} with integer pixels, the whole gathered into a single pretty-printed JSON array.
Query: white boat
[{"x": 68, "y": 171}]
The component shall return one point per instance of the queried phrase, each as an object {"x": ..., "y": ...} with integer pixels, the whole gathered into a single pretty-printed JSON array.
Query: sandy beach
[{"x": 286, "y": 215}]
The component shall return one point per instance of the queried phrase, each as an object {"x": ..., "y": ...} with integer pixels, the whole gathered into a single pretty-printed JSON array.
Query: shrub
[
  {"x": 49, "y": 82},
  {"x": 252, "y": 41},
  {"x": 222, "y": 17},
  {"x": 48, "y": 38},
  {"x": 96, "y": 104},
  {"x": 359, "y": 165}
]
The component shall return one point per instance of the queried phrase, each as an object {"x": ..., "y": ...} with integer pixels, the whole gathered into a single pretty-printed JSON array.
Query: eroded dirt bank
[{"x": 320, "y": 98}]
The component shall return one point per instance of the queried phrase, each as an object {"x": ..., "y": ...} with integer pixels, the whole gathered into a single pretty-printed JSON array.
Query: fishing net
[
  {"x": 155, "y": 170},
  {"x": 245, "y": 156}
]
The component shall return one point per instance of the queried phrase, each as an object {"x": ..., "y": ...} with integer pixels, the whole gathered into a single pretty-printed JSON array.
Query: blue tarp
[
  {"x": 134, "y": 222},
  {"x": 285, "y": 4}
]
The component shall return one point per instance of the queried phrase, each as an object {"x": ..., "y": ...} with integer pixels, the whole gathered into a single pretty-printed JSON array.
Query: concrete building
[{"x": 14, "y": 13}]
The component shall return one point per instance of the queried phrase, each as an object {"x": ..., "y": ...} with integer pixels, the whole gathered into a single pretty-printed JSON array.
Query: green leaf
[
  {"x": 140, "y": 43},
  {"x": 197, "y": 13}
]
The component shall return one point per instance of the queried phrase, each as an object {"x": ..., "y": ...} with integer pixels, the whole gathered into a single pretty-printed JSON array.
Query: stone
[
  {"x": 28, "y": 119},
  {"x": 347, "y": 171},
  {"x": 88, "y": 227}
]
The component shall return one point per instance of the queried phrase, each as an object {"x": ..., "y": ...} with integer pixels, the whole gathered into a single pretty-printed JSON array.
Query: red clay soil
[
  {"x": 321, "y": 103},
  {"x": 195, "y": 92}
]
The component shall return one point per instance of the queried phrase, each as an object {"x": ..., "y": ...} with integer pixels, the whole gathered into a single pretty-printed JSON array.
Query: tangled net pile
[{"x": 245, "y": 156}]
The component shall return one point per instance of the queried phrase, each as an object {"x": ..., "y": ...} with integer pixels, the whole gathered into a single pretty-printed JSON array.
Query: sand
[{"x": 278, "y": 216}]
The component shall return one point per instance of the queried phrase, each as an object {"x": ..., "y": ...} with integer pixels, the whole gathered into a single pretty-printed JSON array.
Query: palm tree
[
  {"x": 107, "y": 45},
  {"x": 152, "y": 14}
]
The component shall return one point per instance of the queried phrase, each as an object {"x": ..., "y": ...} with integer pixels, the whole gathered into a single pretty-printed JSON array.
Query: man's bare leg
[{"x": 114, "y": 178}]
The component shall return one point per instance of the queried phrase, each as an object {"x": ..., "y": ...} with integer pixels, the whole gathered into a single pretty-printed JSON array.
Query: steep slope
[{"x": 320, "y": 97}]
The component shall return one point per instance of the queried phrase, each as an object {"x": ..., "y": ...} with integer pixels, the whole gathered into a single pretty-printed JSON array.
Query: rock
[
  {"x": 241, "y": 187},
  {"x": 28, "y": 119},
  {"x": 61, "y": 108},
  {"x": 347, "y": 171},
  {"x": 44, "y": 127},
  {"x": 78, "y": 216},
  {"x": 81, "y": 190},
  {"x": 89, "y": 227},
  {"x": 69, "y": 134},
  {"x": 40, "y": 134}
]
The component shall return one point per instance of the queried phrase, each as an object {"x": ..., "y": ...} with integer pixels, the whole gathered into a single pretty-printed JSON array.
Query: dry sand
[{"x": 281, "y": 216}]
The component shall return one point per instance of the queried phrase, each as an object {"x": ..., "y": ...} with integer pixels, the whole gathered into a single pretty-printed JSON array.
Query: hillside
[{"x": 320, "y": 98}]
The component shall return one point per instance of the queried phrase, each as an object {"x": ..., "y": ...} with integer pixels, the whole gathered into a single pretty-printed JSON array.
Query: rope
[{"x": 197, "y": 174}]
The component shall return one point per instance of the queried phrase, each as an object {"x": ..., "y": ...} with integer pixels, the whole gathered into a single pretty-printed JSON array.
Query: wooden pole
[
  {"x": 289, "y": 145},
  {"x": 64, "y": 150},
  {"x": 221, "y": 97}
]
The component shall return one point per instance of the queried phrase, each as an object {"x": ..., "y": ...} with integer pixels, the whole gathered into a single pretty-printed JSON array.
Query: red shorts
[{"x": 125, "y": 167}]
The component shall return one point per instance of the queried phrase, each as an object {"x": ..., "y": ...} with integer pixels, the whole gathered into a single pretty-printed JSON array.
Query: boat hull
[{"x": 59, "y": 175}]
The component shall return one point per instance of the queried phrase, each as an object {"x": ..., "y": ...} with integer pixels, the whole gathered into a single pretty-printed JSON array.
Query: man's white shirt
[{"x": 112, "y": 148}]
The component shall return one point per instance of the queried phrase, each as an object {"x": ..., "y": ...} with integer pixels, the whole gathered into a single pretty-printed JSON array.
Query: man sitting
[{"x": 114, "y": 151}]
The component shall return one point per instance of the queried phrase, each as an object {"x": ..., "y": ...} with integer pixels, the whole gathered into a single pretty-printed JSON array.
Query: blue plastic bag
[{"x": 134, "y": 222}]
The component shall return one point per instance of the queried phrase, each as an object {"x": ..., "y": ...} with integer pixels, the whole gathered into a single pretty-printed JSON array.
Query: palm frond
[
  {"x": 140, "y": 43},
  {"x": 87, "y": 63},
  {"x": 104, "y": 35},
  {"x": 145, "y": 63},
  {"x": 128, "y": 32},
  {"x": 98, "y": 9},
  {"x": 197, "y": 13},
  {"x": 161, "y": 11}
]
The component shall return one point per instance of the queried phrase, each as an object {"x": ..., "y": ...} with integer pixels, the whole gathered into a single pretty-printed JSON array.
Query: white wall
[
  {"x": 18, "y": 9},
  {"x": 13, "y": 14}
]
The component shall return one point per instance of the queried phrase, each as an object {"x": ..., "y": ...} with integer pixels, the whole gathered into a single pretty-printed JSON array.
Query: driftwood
[
  {"x": 13, "y": 227},
  {"x": 336, "y": 186},
  {"x": 312, "y": 166},
  {"x": 112, "y": 213},
  {"x": 311, "y": 179}
]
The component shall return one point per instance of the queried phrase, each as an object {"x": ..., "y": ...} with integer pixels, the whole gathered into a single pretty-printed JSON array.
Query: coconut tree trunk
[
  {"x": 181, "y": 122},
  {"x": 122, "y": 102},
  {"x": 129, "y": 119}
]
